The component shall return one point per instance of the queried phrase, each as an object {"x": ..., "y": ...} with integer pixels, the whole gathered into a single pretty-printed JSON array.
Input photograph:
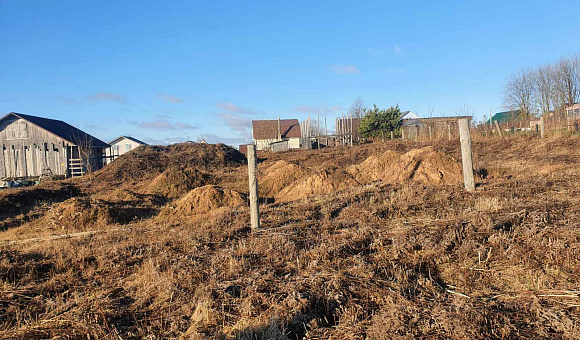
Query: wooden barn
[{"x": 33, "y": 146}]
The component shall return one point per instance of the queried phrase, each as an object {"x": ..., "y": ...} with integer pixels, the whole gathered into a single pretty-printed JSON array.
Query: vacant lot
[{"x": 377, "y": 241}]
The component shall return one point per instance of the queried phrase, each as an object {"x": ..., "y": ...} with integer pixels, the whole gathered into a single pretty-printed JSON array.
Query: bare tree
[
  {"x": 85, "y": 146},
  {"x": 567, "y": 81},
  {"x": 464, "y": 110},
  {"x": 544, "y": 80},
  {"x": 357, "y": 108},
  {"x": 430, "y": 110},
  {"x": 519, "y": 92}
]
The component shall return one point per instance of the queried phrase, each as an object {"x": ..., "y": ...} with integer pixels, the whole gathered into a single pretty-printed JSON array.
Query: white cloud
[
  {"x": 345, "y": 69},
  {"x": 164, "y": 125},
  {"x": 169, "y": 98},
  {"x": 230, "y": 107},
  {"x": 232, "y": 141},
  {"x": 107, "y": 97},
  {"x": 241, "y": 125},
  {"x": 318, "y": 109}
]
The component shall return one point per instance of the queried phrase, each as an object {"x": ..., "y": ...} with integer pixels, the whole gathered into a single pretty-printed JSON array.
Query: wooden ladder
[{"x": 76, "y": 167}]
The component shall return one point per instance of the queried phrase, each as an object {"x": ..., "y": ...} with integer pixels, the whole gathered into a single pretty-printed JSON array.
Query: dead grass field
[{"x": 349, "y": 249}]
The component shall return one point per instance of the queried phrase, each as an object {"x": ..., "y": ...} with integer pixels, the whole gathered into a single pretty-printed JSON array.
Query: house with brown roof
[{"x": 272, "y": 134}]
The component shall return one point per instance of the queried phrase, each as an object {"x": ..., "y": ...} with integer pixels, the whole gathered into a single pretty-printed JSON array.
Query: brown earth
[
  {"x": 424, "y": 165},
  {"x": 209, "y": 198},
  {"x": 321, "y": 183},
  {"x": 391, "y": 259},
  {"x": 174, "y": 182},
  {"x": 280, "y": 175}
]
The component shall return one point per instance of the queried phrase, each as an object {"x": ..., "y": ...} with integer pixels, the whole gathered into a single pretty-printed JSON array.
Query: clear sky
[{"x": 168, "y": 71}]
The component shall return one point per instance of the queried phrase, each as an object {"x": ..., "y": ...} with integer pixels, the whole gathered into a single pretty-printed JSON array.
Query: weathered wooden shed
[
  {"x": 435, "y": 128},
  {"x": 31, "y": 146}
]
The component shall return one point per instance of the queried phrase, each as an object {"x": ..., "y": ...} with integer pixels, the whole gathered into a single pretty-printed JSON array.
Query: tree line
[{"x": 544, "y": 89}]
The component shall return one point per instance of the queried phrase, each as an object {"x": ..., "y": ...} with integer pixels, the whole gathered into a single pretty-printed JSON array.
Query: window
[
  {"x": 576, "y": 111},
  {"x": 570, "y": 112},
  {"x": 127, "y": 147}
]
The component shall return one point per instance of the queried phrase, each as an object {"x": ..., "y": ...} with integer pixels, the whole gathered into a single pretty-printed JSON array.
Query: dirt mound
[
  {"x": 209, "y": 198},
  {"x": 323, "y": 182},
  {"x": 174, "y": 182},
  {"x": 129, "y": 197},
  {"x": 374, "y": 168},
  {"x": 424, "y": 165},
  {"x": 81, "y": 212},
  {"x": 22, "y": 204},
  {"x": 149, "y": 161},
  {"x": 279, "y": 176}
]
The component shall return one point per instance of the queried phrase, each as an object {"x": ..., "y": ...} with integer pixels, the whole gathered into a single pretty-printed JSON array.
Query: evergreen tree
[{"x": 376, "y": 122}]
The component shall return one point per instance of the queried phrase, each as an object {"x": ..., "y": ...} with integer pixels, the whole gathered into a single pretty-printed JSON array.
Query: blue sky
[{"x": 177, "y": 70}]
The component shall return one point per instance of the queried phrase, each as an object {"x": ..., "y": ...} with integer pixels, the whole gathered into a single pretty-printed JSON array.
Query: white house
[
  {"x": 121, "y": 145},
  {"x": 267, "y": 132},
  {"x": 408, "y": 115}
]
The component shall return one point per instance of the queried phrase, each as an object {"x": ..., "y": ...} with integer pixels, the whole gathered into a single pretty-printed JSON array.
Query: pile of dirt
[
  {"x": 150, "y": 161},
  {"x": 131, "y": 198},
  {"x": 279, "y": 176},
  {"x": 209, "y": 198},
  {"x": 176, "y": 182},
  {"x": 23, "y": 204},
  {"x": 80, "y": 213},
  {"x": 321, "y": 183},
  {"x": 424, "y": 165}
]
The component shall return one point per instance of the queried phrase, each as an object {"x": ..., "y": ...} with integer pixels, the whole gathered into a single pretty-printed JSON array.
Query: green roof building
[{"x": 507, "y": 116}]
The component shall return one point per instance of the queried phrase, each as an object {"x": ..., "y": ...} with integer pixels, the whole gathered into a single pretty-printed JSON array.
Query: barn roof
[
  {"x": 268, "y": 129},
  {"x": 506, "y": 116},
  {"x": 61, "y": 129},
  {"x": 127, "y": 137}
]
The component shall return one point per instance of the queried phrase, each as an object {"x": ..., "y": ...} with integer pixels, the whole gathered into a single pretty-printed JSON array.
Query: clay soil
[{"x": 376, "y": 241}]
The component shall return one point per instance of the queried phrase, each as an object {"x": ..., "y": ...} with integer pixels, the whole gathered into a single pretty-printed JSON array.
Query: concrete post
[
  {"x": 448, "y": 131},
  {"x": 253, "y": 179},
  {"x": 498, "y": 129},
  {"x": 542, "y": 127},
  {"x": 466, "y": 157}
]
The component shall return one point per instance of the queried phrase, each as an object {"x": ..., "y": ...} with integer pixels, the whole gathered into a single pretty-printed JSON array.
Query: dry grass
[{"x": 378, "y": 261}]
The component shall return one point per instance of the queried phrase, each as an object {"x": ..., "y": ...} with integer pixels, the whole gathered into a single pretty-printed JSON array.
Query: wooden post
[
  {"x": 318, "y": 133},
  {"x": 326, "y": 131},
  {"x": 253, "y": 178},
  {"x": 402, "y": 134},
  {"x": 351, "y": 131},
  {"x": 466, "y": 158},
  {"x": 542, "y": 127},
  {"x": 430, "y": 132},
  {"x": 498, "y": 129},
  {"x": 279, "y": 131},
  {"x": 392, "y": 135}
]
